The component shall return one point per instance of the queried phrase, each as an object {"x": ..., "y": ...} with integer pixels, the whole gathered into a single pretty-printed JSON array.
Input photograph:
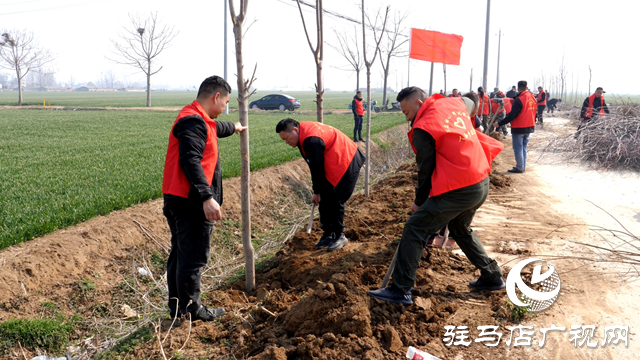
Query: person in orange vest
[
  {"x": 455, "y": 93},
  {"x": 454, "y": 162},
  {"x": 484, "y": 106},
  {"x": 523, "y": 123},
  {"x": 192, "y": 191},
  {"x": 357, "y": 107},
  {"x": 542, "y": 103},
  {"x": 335, "y": 162},
  {"x": 499, "y": 106},
  {"x": 593, "y": 104}
]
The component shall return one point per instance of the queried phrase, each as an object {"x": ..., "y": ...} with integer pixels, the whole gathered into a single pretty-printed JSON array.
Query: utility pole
[
  {"x": 471, "y": 81},
  {"x": 431, "y": 81},
  {"x": 498, "y": 71},
  {"x": 486, "y": 48},
  {"x": 226, "y": 108}
]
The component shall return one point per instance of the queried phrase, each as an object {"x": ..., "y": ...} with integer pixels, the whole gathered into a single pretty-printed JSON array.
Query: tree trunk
[
  {"x": 319, "y": 90},
  {"x": 245, "y": 178},
  {"x": 357, "y": 80},
  {"x": 384, "y": 91},
  {"x": 19, "y": 88},
  {"x": 149, "y": 85},
  {"x": 367, "y": 171}
]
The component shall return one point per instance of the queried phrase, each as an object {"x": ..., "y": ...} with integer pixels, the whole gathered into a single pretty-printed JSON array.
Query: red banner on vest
[{"x": 435, "y": 46}]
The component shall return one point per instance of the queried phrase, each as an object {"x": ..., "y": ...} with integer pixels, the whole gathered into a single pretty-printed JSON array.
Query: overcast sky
[{"x": 536, "y": 34}]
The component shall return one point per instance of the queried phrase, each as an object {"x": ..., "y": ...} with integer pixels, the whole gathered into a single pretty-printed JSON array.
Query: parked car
[{"x": 276, "y": 101}]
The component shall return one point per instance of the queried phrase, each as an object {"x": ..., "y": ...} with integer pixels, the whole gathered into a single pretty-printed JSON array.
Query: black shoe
[
  {"x": 391, "y": 294},
  {"x": 361, "y": 140},
  {"x": 325, "y": 240},
  {"x": 337, "y": 243},
  {"x": 355, "y": 140},
  {"x": 482, "y": 284},
  {"x": 515, "y": 171},
  {"x": 205, "y": 314}
]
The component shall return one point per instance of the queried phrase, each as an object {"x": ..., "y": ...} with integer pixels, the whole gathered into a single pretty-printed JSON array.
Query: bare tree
[
  {"x": 471, "y": 81},
  {"x": 391, "y": 48},
  {"x": 42, "y": 78},
  {"x": 19, "y": 52},
  {"x": 244, "y": 92},
  {"x": 318, "y": 53},
  {"x": 107, "y": 79},
  {"x": 368, "y": 64},
  {"x": 141, "y": 44},
  {"x": 589, "y": 93},
  {"x": 350, "y": 52}
]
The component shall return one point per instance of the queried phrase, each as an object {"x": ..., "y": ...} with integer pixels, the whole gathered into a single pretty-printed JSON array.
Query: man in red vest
[
  {"x": 357, "y": 107},
  {"x": 542, "y": 103},
  {"x": 484, "y": 106},
  {"x": 192, "y": 188},
  {"x": 593, "y": 104},
  {"x": 454, "y": 162},
  {"x": 455, "y": 93},
  {"x": 335, "y": 162},
  {"x": 523, "y": 123}
]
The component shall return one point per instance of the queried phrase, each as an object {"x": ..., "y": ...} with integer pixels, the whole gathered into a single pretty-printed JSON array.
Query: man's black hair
[
  {"x": 522, "y": 84},
  {"x": 212, "y": 85},
  {"x": 409, "y": 91},
  {"x": 358, "y": 92},
  {"x": 287, "y": 125},
  {"x": 473, "y": 96}
]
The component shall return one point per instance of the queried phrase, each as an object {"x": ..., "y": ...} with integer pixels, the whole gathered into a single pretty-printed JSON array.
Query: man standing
[
  {"x": 484, "y": 106},
  {"x": 523, "y": 122},
  {"x": 357, "y": 107},
  {"x": 335, "y": 163},
  {"x": 542, "y": 103},
  {"x": 453, "y": 183},
  {"x": 192, "y": 189},
  {"x": 455, "y": 93},
  {"x": 594, "y": 103},
  {"x": 513, "y": 93}
]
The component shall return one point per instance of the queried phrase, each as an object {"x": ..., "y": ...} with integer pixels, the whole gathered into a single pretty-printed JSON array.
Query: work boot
[
  {"x": 338, "y": 243},
  {"x": 483, "y": 284},
  {"x": 205, "y": 314},
  {"x": 324, "y": 241},
  {"x": 515, "y": 171},
  {"x": 392, "y": 294}
]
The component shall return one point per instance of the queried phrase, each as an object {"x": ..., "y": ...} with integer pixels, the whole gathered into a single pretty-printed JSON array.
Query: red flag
[{"x": 435, "y": 46}]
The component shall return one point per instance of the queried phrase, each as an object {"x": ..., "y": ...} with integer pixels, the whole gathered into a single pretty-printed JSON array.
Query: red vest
[
  {"x": 463, "y": 156},
  {"x": 540, "y": 97},
  {"x": 484, "y": 105},
  {"x": 589, "y": 111},
  {"x": 508, "y": 102},
  {"x": 527, "y": 116},
  {"x": 359, "y": 106},
  {"x": 495, "y": 106},
  {"x": 174, "y": 181},
  {"x": 339, "y": 150}
]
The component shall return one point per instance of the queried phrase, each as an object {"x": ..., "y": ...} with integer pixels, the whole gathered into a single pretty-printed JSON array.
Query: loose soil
[{"x": 310, "y": 304}]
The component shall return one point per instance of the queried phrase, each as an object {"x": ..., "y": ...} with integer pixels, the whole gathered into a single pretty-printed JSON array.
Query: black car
[{"x": 276, "y": 101}]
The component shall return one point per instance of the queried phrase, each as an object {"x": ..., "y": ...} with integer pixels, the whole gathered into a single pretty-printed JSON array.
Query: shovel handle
[{"x": 313, "y": 208}]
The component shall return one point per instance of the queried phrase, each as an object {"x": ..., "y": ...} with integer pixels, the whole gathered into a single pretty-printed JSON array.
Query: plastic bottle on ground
[{"x": 415, "y": 354}]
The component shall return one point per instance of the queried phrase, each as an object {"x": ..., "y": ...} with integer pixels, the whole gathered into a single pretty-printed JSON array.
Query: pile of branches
[{"x": 610, "y": 142}]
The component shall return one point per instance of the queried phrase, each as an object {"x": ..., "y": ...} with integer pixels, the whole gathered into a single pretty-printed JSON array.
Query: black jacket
[
  {"x": 314, "y": 150},
  {"x": 191, "y": 133},
  {"x": 512, "y": 94},
  {"x": 354, "y": 105}
]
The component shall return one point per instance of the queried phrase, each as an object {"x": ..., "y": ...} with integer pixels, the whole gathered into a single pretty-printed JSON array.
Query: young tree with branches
[
  {"x": 368, "y": 64},
  {"x": 318, "y": 53},
  {"x": 19, "y": 52},
  {"x": 141, "y": 44},
  {"x": 350, "y": 50},
  {"x": 391, "y": 47},
  {"x": 244, "y": 92}
]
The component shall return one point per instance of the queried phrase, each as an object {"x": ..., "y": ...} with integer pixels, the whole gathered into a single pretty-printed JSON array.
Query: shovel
[{"x": 313, "y": 208}]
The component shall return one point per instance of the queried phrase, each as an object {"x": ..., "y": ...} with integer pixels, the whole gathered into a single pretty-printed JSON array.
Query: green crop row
[{"x": 59, "y": 168}]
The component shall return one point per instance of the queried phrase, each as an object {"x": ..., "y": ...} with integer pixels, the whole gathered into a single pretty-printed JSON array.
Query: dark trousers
[
  {"x": 540, "y": 111},
  {"x": 190, "y": 241},
  {"x": 332, "y": 199},
  {"x": 357, "y": 129},
  {"x": 485, "y": 121},
  {"x": 457, "y": 209}
]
